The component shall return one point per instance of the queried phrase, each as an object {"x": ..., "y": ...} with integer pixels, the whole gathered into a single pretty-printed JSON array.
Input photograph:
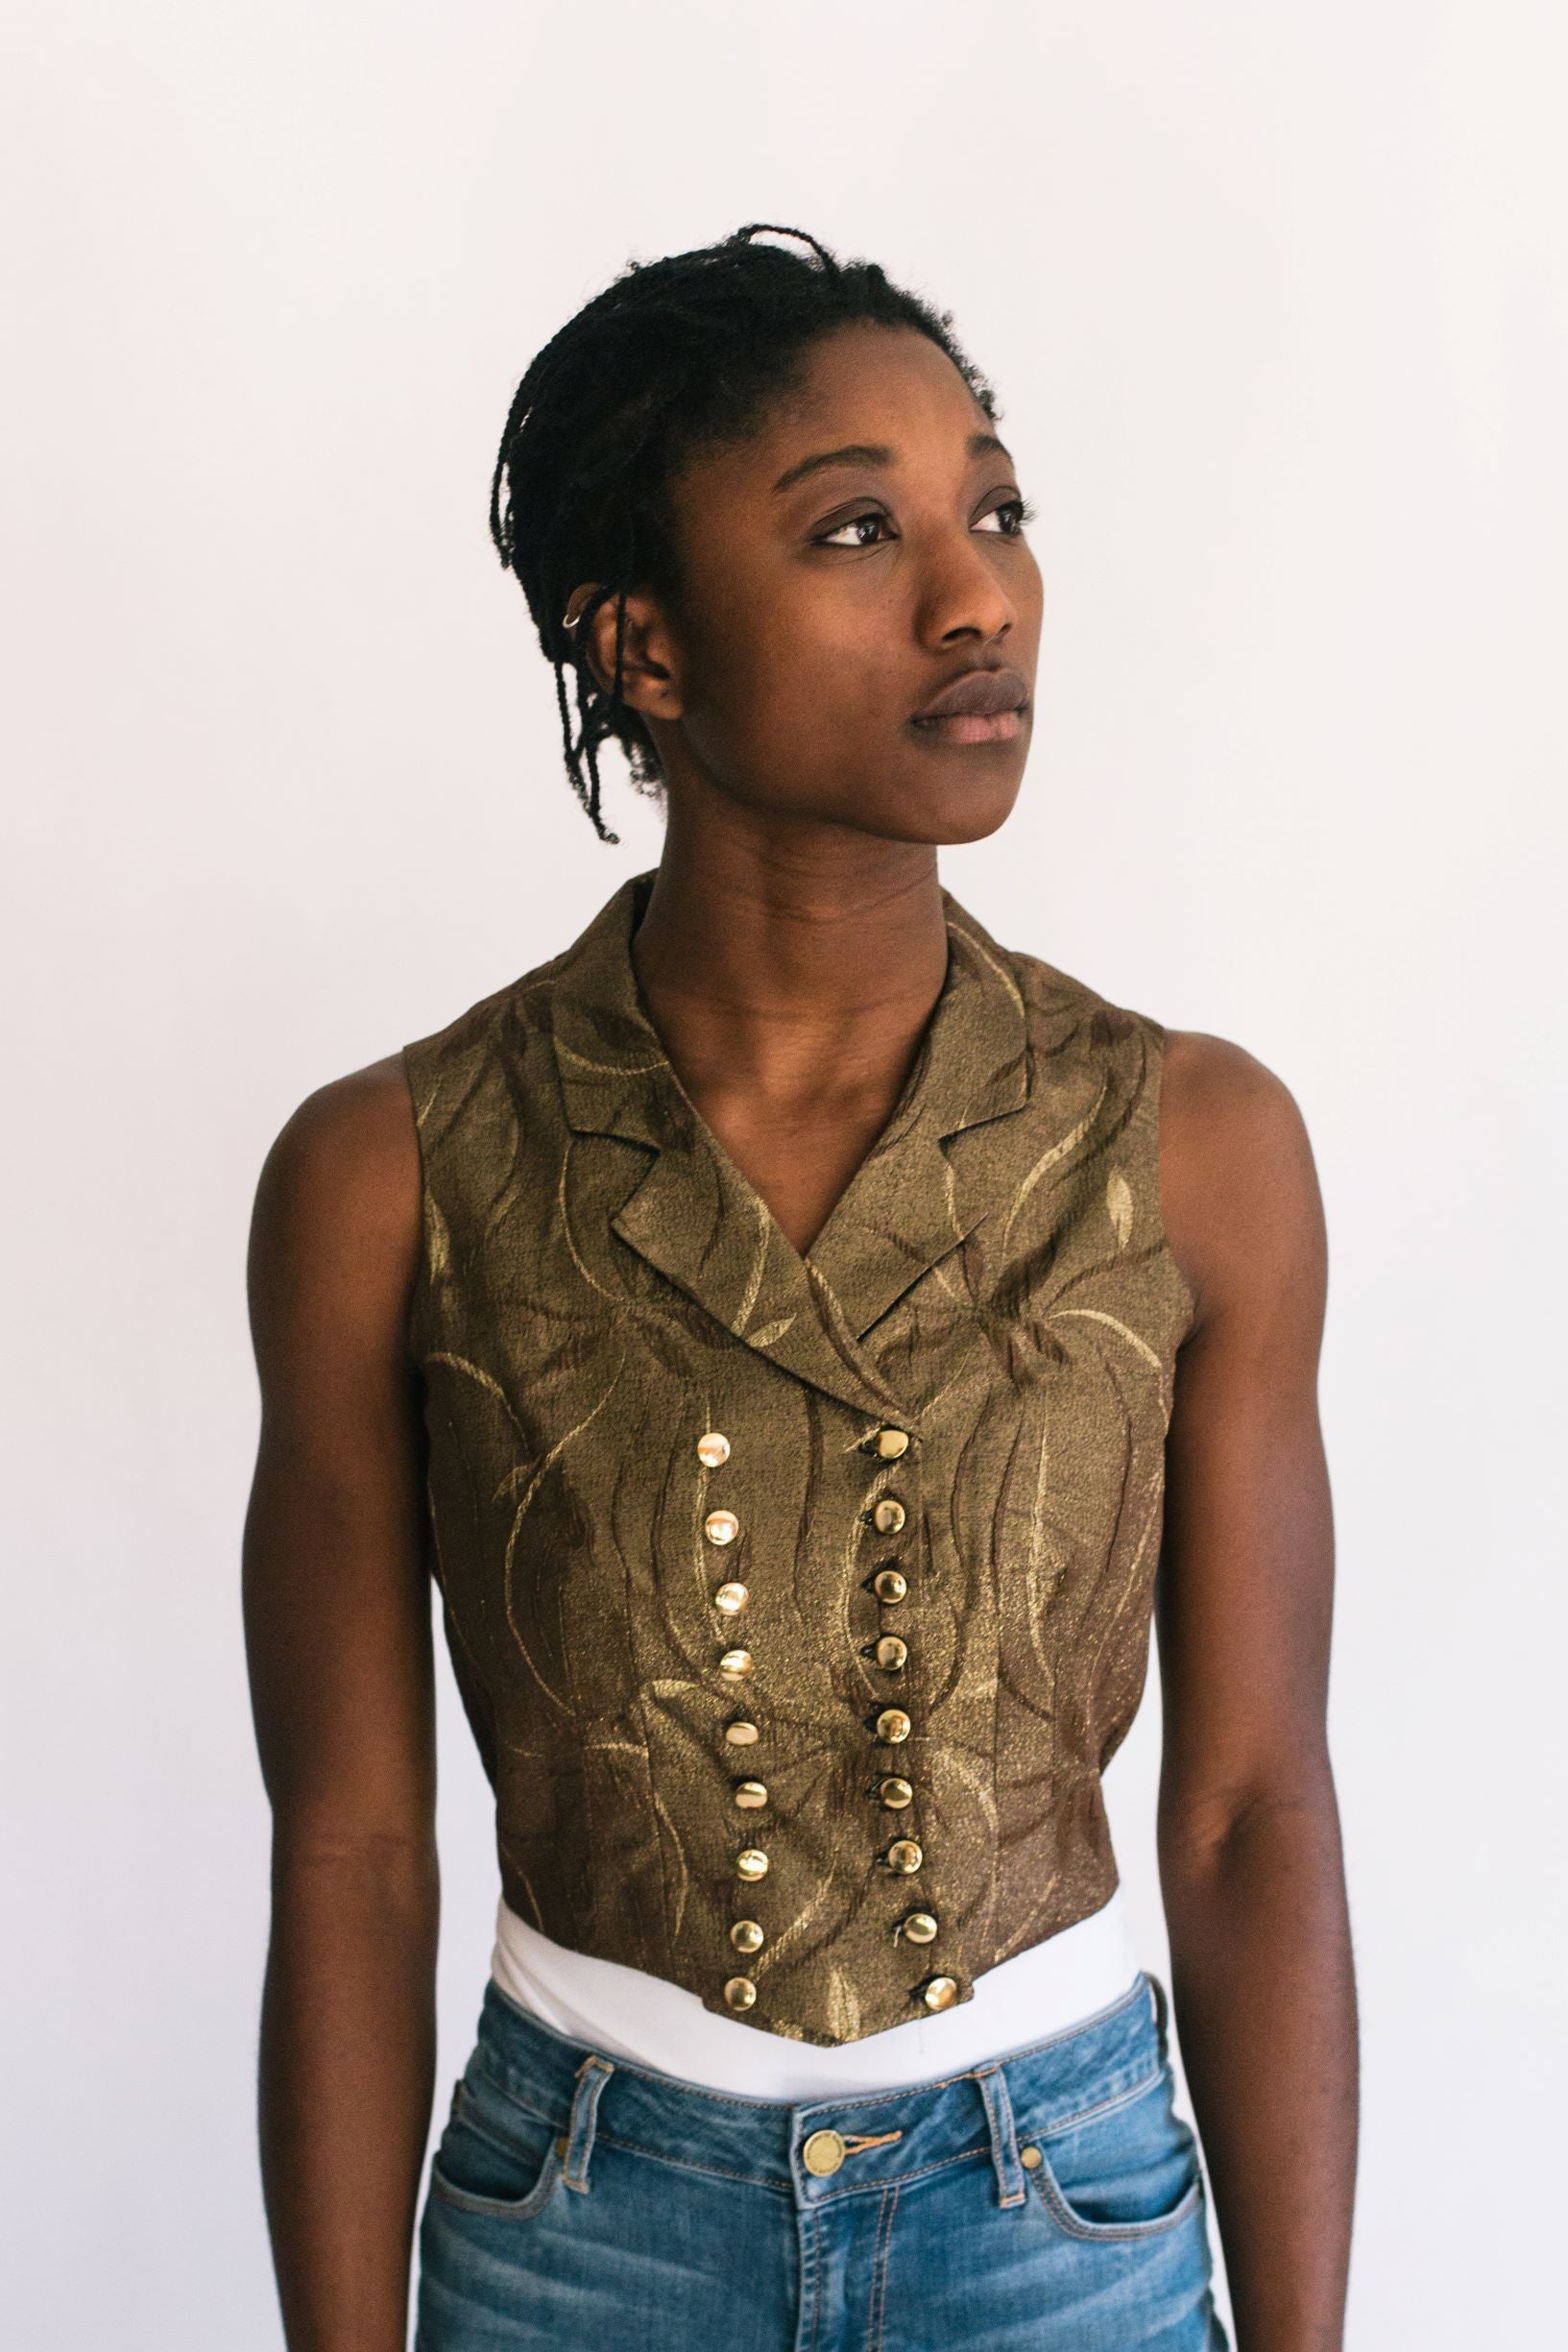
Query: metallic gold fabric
[{"x": 601, "y": 1288}]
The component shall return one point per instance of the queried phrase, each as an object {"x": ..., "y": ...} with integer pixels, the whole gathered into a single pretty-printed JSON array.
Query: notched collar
[{"x": 697, "y": 1219}]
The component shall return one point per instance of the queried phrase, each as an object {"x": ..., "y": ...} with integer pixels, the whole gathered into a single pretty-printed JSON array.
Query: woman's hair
[{"x": 675, "y": 356}]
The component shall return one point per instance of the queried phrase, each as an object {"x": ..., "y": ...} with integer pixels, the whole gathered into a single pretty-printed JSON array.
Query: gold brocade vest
[{"x": 797, "y": 1605}]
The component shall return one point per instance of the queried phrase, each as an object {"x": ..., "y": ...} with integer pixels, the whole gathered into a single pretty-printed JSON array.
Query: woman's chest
[{"x": 647, "y": 1459}]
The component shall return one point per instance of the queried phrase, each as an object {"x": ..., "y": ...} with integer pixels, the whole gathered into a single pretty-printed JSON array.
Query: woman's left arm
[{"x": 1251, "y": 1871}]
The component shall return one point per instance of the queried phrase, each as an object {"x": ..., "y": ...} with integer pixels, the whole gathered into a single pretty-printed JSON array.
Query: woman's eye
[
  {"x": 853, "y": 524},
  {"x": 1019, "y": 509}
]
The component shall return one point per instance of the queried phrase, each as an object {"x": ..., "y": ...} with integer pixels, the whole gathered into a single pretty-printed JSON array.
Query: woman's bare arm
[
  {"x": 1251, "y": 1870},
  {"x": 337, "y": 1629}
]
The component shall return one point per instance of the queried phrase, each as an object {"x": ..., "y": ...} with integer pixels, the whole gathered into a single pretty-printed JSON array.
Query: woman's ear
[{"x": 648, "y": 655}]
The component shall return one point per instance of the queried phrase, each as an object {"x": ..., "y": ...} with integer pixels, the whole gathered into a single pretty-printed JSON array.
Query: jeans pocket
[
  {"x": 1129, "y": 2171},
  {"x": 495, "y": 2157}
]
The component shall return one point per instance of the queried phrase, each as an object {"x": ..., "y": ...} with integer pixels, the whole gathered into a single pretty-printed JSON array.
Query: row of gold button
[
  {"x": 729, "y": 1598},
  {"x": 906, "y": 1856}
]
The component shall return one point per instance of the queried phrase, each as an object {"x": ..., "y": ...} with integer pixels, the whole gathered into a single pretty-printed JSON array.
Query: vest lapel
[
  {"x": 697, "y": 1219},
  {"x": 908, "y": 1203}
]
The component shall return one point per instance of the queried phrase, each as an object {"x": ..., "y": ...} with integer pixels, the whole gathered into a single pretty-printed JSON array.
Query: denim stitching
[
  {"x": 684, "y": 2164},
  {"x": 773, "y": 2180},
  {"x": 816, "y": 2278},
  {"x": 923, "y": 2171},
  {"x": 876, "y": 2317},
  {"x": 467, "y": 2117},
  {"x": 523, "y": 2208},
  {"x": 1104, "y": 2106},
  {"x": 1091, "y": 2231}
]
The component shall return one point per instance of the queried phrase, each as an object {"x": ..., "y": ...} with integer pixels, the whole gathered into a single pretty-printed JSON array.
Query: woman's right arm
[{"x": 338, "y": 1642}]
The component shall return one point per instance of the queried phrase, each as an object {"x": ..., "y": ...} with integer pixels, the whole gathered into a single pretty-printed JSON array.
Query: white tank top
[{"x": 628, "y": 2013}]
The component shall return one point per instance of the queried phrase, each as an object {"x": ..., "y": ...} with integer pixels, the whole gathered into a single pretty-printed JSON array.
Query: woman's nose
[{"x": 962, "y": 593}]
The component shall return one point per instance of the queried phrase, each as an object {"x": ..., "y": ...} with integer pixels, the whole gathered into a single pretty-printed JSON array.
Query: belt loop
[
  {"x": 591, "y": 2077},
  {"x": 1162, "y": 2011},
  {"x": 1011, "y": 2189}
]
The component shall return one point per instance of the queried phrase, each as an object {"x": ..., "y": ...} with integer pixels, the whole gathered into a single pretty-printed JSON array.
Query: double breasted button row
[{"x": 886, "y": 1515}]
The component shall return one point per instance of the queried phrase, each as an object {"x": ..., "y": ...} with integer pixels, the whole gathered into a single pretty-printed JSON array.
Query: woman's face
[{"x": 841, "y": 567}]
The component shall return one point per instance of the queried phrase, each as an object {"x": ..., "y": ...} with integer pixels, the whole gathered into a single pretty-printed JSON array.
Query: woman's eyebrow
[{"x": 875, "y": 454}]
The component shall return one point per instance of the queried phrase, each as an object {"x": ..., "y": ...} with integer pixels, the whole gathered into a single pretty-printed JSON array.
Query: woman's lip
[{"x": 972, "y": 726}]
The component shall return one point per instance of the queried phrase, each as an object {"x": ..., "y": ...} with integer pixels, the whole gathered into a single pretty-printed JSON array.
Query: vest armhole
[
  {"x": 1155, "y": 1033},
  {"x": 414, "y": 1325}
]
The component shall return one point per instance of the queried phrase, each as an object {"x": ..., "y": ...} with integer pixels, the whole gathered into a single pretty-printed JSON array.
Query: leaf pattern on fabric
[{"x": 1118, "y": 1206}]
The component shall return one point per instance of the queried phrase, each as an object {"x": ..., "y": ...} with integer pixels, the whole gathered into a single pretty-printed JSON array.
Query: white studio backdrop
[{"x": 1272, "y": 298}]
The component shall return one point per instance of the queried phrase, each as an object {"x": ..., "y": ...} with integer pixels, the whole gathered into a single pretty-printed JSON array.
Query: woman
[{"x": 792, "y": 1328}]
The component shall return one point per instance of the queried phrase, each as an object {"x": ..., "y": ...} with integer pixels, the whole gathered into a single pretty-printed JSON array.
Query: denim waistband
[{"x": 824, "y": 2149}]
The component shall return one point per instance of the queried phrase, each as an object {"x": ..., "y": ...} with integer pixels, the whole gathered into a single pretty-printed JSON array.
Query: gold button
[
  {"x": 893, "y": 1725},
  {"x": 735, "y": 1661},
  {"x": 751, "y": 1862},
  {"x": 891, "y": 1653},
  {"x": 746, "y": 1936},
  {"x": 562, "y": 2145},
  {"x": 731, "y": 1598},
  {"x": 904, "y": 1855},
  {"x": 941, "y": 1993},
  {"x": 741, "y": 1992},
  {"x": 712, "y": 1448},
  {"x": 888, "y": 1444},
  {"x": 823, "y": 2152},
  {"x": 919, "y": 1927},
  {"x": 896, "y": 1794},
  {"x": 743, "y": 1733},
  {"x": 1032, "y": 2155},
  {"x": 887, "y": 1516},
  {"x": 750, "y": 1794},
  {"x": 891, "y": 1584},
  {"x": 721, "y": 1527}
]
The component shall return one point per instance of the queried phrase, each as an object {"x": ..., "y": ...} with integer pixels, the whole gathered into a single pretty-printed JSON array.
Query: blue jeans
[{"x": 1050, "y": 2199}]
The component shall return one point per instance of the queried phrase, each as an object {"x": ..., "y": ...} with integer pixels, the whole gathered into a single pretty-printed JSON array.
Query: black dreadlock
[{"x": 675, "y": 356}]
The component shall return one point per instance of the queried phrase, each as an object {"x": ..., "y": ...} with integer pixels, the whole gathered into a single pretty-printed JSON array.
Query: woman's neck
[{"x": 807, "y": 973}]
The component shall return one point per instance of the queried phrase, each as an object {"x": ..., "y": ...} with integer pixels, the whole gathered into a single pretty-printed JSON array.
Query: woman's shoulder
[
  {"x": 1239, "y": 1191},
  {"x": 349, "y": 1146},
  {"x": 336, "y": 1223}
]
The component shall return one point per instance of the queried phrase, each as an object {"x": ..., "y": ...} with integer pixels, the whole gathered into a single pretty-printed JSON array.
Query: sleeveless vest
[{"x": 797, "y": 1604}]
